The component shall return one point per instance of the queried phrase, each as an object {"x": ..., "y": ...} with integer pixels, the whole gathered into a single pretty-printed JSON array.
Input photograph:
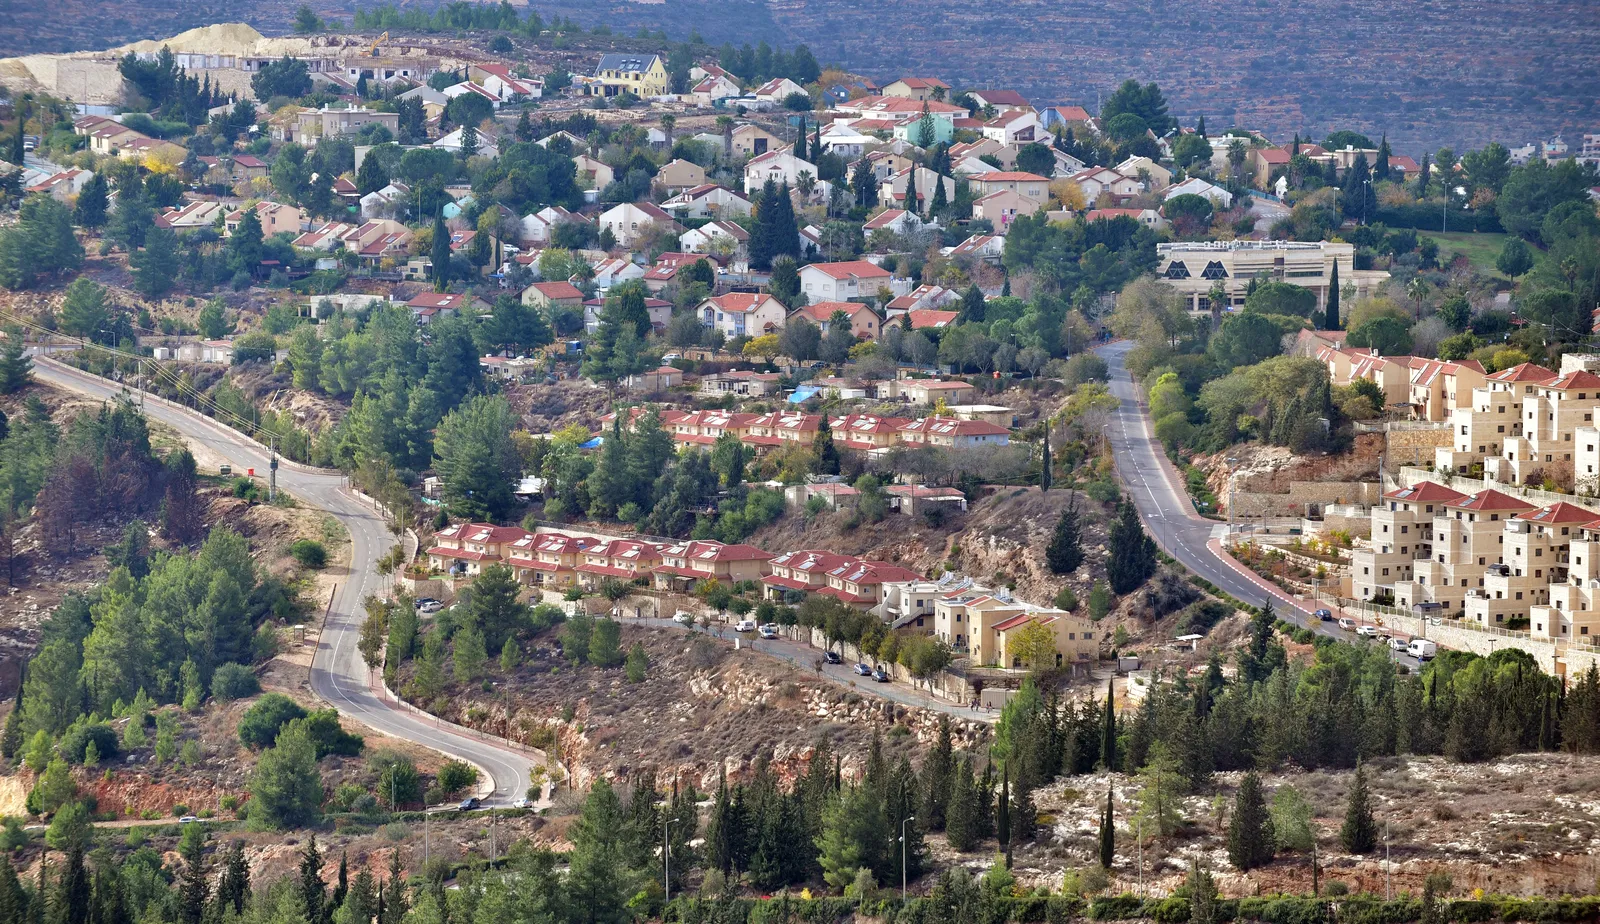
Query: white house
[
  {"x": 712, "y": 88},
  {"x": 707, "y": 201},
  {"x": 704, "y": 239},
  {"x": 1194, "y": 186},
  {"x": 1097, "y": 180},
  {"x": 627, "y": 219},
  {"x": 539, "y": 227},
  {"x": 897, "y": 221},
  {"x": 841, "y": 282},
  {"x": 387, "y": 202},
  {"x": 1027, "y": 185},
  {"x": 778, "y": 166},
  {"x": 1017, "y": 126},
  {"x": 615, "y": 270},
  {"x": 467, "y": 86},
  {"x": 775, "y": 91},
  {"x": 743, "y": 313},
  {"x": 499, "y": 80},
  {"x": 841, "y": 139},
  {"x": 1142, "y": 167},
  {"x": 452, "y": 143}
]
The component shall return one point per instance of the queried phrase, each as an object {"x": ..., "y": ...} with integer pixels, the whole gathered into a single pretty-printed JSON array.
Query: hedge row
[{"x": 1430, "y": 218}]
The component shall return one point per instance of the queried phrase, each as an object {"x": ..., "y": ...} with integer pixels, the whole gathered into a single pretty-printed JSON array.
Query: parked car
[
  {"x": 1346, "y": 623},
  {"x": 683, "y": 617},
  {"x": 863, "y": 670},
  {"x": 832, "y": 657},
  {"x": 1422, "y": 649},
  {"x": 1399, "y": 644},
  {"x": 225, "y": 470},
  {"x": 431, "y": 607},
  {"x": 880, "y": 675},
  {"x": 1324, "y": 615},
  {"x": 769, "y": 631},
  {"x": 1367, "y": 631},
  {"x": 468, "y": 804},
  {"x": 745, "y": 625}
]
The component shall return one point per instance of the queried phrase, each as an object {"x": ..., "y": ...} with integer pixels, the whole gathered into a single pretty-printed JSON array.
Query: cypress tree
[
  {"x": 13, "y": 901},
  {"x": 973, "y": 305},
  {"x": 937, "y": 776},
  {"x": 1422, "y": 178},
  {"x": 441, "y": 252},
  {"x": 1380, "y": 167},
  {"x": 1200, "y": 126},
  {"x": 1331, "y": 315},
  {"x": 827, "y": 453},
  {"x": 1064, "y": 554},
  {"x": 1359, "y": 833},
  {"x": 1002, "y": 825},
  {"x": 1044, "y": 462},
  {"x": 1295, "y": 150},
  {"x": 72, "y": 892},
  {"x": 1108, "y": 740},
  {"x": 940, "y": 203},
  {"x": 910, "y": 203},
  {"x": 1108, "y": 834},
  {"x": 341, "y": 888},
  {"x": 1131, "y": 558},
  {"x": 312, "y": 892},
  {"x": 1251, "y": 840},
  {"x": 93, "y": 202},
  {"x": 986, "y": 801},
  {"x": 233, "y": 890},
  {"x": 195, "y": 890},
  {"x": 961, "y": 818}
]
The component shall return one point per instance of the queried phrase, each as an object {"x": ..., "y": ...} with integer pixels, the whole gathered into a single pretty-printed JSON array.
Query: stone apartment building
[
  {"x": 1551, "y": 418},
  {"x": 1481, "y": 428},
  {"x": 1468, "y": 537},
  {"x": 687, "y": 564},
  {"x": 1402, "y": 534},
  {"x": 1536, "y": 546},
  {"x": 1571, "y": 613}
]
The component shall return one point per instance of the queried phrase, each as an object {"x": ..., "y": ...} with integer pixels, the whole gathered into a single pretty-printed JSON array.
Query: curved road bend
[
  {"x": 1169, "y": 515},
  {"x": 338, "y": 673}
]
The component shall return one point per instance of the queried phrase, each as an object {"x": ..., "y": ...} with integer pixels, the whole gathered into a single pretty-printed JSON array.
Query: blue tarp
[{"x": 802, "y": 393}]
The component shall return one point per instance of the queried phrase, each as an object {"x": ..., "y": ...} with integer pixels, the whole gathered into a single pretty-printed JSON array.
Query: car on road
[
  {"x": 188, "y": 820},
  {"x": 522, "y": 804},
  {"x": 880, "y": 675},
  {"x": 832, "y": 657},
  {"x": 745, "y": 625},
  {"x": 769, "y": 631},
  {"x": 1346, "y": 623},
  {"x": 863, "y": 670},
  {"x": 1367, "y": 631},
  {"x": 683, "y": 617},
  {"x": 1399, "y": 644},
  {"x": 1324, "y": 615},
  {"x": 468, "y": 804}
]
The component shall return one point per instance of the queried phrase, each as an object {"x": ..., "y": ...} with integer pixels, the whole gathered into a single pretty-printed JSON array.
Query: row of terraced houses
[{"x": 980, "y": 624}]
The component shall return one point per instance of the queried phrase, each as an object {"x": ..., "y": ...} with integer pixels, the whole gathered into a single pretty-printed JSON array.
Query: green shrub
[
  {"x": 259, "y": 727},
  {"x": 329, "y": 737},
  {"x": 75, "y": 742},
  {"x": 233, "y": 681},
  {"x": 309, "y": 553}
]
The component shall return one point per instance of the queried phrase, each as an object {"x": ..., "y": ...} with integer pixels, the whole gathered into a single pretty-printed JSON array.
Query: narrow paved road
[
  {"x": 1169, "y": 515},
  {"x": 338, "y": 673}
]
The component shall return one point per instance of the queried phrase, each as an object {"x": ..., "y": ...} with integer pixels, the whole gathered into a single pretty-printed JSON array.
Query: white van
[
  {"x": 1422, "y": 649},
  {"x": 745, "y": 625}
]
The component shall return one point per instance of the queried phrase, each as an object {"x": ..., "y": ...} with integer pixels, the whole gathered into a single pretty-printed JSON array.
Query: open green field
[{"x": 1481, "y": 249}]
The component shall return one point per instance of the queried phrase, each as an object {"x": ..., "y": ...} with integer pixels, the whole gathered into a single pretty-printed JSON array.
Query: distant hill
[{"x": 1427, "y": 72}]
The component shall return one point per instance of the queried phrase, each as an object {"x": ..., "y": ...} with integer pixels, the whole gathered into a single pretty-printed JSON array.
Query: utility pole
[
  {"x": 272, "y": 470},
  {"x": 909, "y": 819},
  {"x": 1388, "y": 876},
  {"x": 666, "y": 853}
]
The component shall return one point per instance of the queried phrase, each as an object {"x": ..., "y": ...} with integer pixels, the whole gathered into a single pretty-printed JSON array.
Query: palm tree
[
  {"x": 1417, "y": 290},
  {"x": 1236, "y": 155},
  {"x": 725, "y": 124}
]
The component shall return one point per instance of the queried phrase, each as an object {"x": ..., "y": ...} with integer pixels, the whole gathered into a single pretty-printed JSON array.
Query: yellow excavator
[{"x": 373, "y": 51}]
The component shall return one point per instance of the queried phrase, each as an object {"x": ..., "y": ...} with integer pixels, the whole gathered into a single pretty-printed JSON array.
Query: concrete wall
[{"x": 1303, "y": 494}]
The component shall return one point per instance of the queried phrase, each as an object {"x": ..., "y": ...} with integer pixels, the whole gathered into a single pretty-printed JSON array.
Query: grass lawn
[{"x": 1481, "y": 249}]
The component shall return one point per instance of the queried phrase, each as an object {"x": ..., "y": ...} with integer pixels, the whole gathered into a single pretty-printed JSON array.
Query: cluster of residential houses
[
  {"x": 869, "y": 433},
  {"x": 1489, "y": 555},
  {"x": 980, "y": 624}
]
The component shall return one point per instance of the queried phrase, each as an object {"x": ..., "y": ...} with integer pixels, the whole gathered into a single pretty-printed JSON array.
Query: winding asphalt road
[
  {"x": 338, "y": 674},
  {"x": 1169, "y": 516}
]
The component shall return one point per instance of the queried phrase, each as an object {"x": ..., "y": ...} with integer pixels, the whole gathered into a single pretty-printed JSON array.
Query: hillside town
[{"x": 759, "y": 492}]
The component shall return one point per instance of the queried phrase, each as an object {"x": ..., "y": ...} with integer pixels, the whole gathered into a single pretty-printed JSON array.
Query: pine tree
[
  {"x": 16, "y": 367},
  {"x": 393, "y": 903},
  {"x": 524, "y": 128},
  {"x": 1064, "y": 554},
  {"x": 1108, "y": 834},
  {"x": 1108, "y": 739},
  {"x": 13, "y": 901},
  {"x": 1251, "y": 840},
  {"x": 973, "y": 306},
  {"x": 961, "y": 818},
  {"x": 1359, "y": 833},
  {"x": 1202, "y": 895},
  {"x": 1131, "y": 555},
  {"x": 233, "y": 889},
  {"x": 1331, "y": 314}
]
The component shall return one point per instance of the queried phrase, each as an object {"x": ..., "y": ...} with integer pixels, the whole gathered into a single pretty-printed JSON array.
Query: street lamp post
[{"x": 903, "y": 853}]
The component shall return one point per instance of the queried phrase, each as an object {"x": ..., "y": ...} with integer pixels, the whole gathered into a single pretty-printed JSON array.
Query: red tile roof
[
  {"x": 1562, "y": 512},
  {"x": 1490, "y": 499},
  {"x": 1426, "y": 491},
  {"x": 558, "y": 290},
  {"x": 861, "y": 269},
  {"x": 1523, "y": 372}
]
